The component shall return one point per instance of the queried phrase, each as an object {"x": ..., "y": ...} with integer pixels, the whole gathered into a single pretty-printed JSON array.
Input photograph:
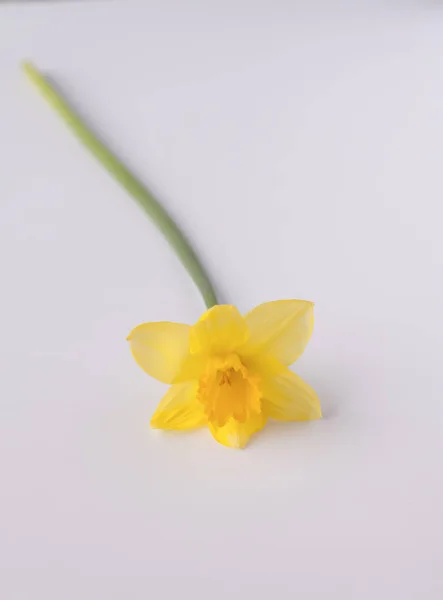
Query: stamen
[{"x": 225, "y": 376}]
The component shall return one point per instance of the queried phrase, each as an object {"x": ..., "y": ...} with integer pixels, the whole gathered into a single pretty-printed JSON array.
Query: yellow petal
[
  {"x": 286, "y": 397},
  {"x": 160, "y": 348},
  {"x": 281, "y": 328},
  {"x": 221, "y": 329},
  {"x": 192, "y": 367},
  {"x": 236, "y": 435},
  {"x": 179, "y": 409}
]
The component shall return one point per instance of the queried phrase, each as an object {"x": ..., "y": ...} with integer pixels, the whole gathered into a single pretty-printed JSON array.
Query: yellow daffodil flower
[{"x": 229, "y": 372}]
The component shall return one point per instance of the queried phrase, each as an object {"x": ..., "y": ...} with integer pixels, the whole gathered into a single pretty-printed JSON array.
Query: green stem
[{"x": 127, "y": 180}]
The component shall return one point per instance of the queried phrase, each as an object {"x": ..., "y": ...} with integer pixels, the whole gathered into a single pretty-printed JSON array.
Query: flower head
[{"x": 228, "y": 371}]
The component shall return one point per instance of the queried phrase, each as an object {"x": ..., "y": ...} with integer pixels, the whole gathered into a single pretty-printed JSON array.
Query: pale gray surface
[{"x": 302, "y": 151}]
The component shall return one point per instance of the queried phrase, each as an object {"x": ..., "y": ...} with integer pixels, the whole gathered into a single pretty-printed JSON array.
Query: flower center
[{"x": 227, "y": 390}]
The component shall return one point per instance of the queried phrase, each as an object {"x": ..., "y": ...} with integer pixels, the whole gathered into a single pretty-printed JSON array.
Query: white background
[{"x": 300, "y": 145}]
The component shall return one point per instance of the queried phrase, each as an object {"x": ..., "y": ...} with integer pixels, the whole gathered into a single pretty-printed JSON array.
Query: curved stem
[{"x": 127, "y": 180}]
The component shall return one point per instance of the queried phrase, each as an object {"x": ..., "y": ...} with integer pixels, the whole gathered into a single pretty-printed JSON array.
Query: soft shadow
[{"x": 331, "y": 399}]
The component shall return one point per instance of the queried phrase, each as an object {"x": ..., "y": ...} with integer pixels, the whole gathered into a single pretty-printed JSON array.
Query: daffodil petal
[
  {"x": 281, "y": 328},
  {"x": 179, "y": 409},
  {"x": 286, "y": 397},
  {"x": 235, "y": 434},
  {"x": 192, "y": 367},
  {"x": 220, "y": 329},
  {"x": 160, "y": 348}
]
